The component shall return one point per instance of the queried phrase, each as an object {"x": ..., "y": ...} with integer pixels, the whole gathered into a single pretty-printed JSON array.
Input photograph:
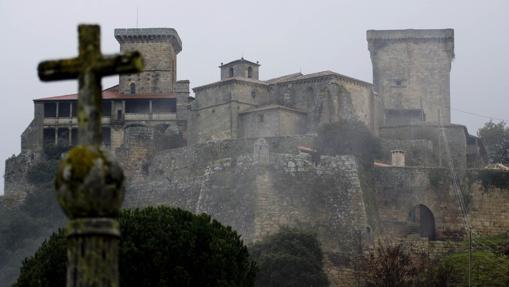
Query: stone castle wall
[
  {"x": 488, "y": 201},
  {"x": 399, "y": 190},
  {"x": 253, "y": 187},
  {"x": 449, "y": 142}
]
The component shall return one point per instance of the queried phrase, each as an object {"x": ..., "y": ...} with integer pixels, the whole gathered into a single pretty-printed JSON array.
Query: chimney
[{"x": 398, "y": 158}]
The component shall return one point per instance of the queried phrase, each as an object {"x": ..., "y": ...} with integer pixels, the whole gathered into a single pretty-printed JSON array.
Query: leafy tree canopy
[
  {"x": 495, "y": 137},
  {"x": 159, "y": 247},
  {"x": 290, "y": 257},
  {"x": 349, "y": 137}
]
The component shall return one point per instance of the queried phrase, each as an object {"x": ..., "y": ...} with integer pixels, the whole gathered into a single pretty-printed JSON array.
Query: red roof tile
[{"x": 111, "y": 94}]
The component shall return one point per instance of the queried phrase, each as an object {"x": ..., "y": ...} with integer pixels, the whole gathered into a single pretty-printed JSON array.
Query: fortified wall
[{"x": 244, "y": 150}]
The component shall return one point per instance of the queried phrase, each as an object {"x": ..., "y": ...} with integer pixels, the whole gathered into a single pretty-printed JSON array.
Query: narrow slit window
[{"x": 133, "y": 89}]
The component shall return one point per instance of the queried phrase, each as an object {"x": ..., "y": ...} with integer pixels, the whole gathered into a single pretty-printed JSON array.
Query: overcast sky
[{"x": 285, "y": 36}]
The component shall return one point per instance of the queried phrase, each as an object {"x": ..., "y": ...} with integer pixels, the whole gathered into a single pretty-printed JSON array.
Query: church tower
[
  {"x": 241, "y": 68},
  {"x": 411, "y": 73},
  {"x": 159, "y": 48}
]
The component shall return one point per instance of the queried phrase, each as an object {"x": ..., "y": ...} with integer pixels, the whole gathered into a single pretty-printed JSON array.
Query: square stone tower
[
  {"x": 159, "y": 48},
  {"x": 411, "y": 73},
  {"x": 241, "y": 68}
]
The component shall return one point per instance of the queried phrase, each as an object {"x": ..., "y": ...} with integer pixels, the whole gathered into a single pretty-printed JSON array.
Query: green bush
[
  {"x": 290, "y": 257},
  {"x": 494, "y": 178},
  {"x": 159, "y": 247},
  {"x": 349, "y": 137},
  {"x": 488, "y": 269}
]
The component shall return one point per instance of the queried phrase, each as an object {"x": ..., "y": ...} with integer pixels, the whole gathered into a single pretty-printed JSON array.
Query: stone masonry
[{"x": 243, "y": 149}]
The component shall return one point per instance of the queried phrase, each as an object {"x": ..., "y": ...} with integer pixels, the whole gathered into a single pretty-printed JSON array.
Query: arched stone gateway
[{"x": 423, "y": 219}]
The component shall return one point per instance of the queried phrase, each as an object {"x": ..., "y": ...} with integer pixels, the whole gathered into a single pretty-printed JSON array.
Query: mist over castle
[{"x": 257, "y": 155}]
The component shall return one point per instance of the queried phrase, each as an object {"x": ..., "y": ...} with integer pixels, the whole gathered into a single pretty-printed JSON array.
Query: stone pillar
[
  {"x": 398, "y": 158},
  {"x": 182, "y": 100},
  {"x": 90, "y": 189}
]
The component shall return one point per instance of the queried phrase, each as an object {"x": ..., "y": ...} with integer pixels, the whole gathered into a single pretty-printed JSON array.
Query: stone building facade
[
  {"x": 242, "y": 106},
  {"x": 244, "y": 149}
]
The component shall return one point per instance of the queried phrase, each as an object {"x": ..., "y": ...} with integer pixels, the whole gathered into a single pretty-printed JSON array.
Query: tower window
[
  {"x": 231, "y": 72},
  {"x": 250, "y": 72},
  {"x": 133, "y": 89},
  {"x": 398, "y": 83}
]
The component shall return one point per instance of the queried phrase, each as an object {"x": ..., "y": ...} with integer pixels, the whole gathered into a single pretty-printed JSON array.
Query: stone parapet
[
  {"x": 410, "y": 34},
  {"x": 143, "y": 35}
]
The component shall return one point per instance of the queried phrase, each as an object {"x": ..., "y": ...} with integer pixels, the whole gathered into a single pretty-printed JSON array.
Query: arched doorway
[{"x": 424, "y": 220}]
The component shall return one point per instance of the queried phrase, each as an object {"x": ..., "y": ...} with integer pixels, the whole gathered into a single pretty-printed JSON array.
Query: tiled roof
[
  {"x": 110, "y": 94},
  {"x": 321, "y": 74},
  {"x": 284, "y": 78},
  {"x": 230, "y": 80},
  {"x": 241, "y": 60}
]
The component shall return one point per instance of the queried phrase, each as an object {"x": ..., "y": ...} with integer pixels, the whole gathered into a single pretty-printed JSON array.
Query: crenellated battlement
[{"x": 144, "y": 35}]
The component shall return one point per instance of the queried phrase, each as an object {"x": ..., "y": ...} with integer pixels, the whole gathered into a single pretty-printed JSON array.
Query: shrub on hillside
[
  {"x": 159, "y": 247},
  {"x": 488, "y": 269},
  {"x": 290, "y": 257}
]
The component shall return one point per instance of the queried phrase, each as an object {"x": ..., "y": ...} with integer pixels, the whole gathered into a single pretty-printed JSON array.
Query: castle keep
[{"x": 243, "y": 149}]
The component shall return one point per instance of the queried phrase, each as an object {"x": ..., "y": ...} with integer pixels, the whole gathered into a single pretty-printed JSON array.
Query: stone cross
[
  {"x": 89, "y": 67},
  {"x": 90, "y": 183}
]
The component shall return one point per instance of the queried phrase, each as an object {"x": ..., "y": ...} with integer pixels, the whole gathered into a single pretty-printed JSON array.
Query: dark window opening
[
  {"x": 107, "y": 136},
  {"x": 164, "y": 106},
  {"x": 64, "y": 109},
  {"x": 250, "y": 72},
  {"x": 48, "y": 137},
  {"x": 253, "y": 94},
  {"x": 119, "y": 115},
  {"x": 50, "y": 110},
  {"x": 137, "y": 107},
  {"x": 74, "y": 136},
  {"x": 106, "y": 108},
  {"x": 63, "y": 137},
  {"x": 231, "y": 72},
  {"x": 399, "y": 83},
  {"x": 133, "y": 88}
]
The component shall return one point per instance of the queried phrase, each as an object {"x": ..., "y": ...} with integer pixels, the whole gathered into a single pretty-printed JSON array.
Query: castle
[{"x": 241, "y": 149}]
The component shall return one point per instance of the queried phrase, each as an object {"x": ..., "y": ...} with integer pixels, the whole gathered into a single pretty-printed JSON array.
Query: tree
[
  {"x": 290, "y": 257},
  {"x": 348, "y": 137},
  {"x": 159, "y": 247},
  {"x": 495, "y": 137},
  {"x": 390, "y": 266}
]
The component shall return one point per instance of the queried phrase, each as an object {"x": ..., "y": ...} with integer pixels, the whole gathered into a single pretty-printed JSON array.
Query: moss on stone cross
[{"x": 89, "y": 181}]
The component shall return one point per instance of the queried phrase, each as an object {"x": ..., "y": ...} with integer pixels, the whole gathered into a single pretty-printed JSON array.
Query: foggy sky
[{"x": 285, "y": 36}]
